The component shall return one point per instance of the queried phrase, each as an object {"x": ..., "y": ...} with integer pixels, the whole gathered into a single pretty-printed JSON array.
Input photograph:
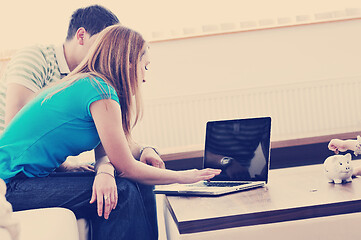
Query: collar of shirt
[{"x": 60, "y": 57}]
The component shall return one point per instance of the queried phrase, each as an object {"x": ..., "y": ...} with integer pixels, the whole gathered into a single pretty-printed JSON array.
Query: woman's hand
[
  {"x": 195, "y": 175},
  {"x": 338, "y": 145},
  {"x": 150, "y": 157},
  {"x": 105, "y": 193},
  {"x": 356, "y": 171}
]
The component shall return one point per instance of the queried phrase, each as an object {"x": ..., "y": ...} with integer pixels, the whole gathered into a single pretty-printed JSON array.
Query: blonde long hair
[{"x": 114, "y": 57}]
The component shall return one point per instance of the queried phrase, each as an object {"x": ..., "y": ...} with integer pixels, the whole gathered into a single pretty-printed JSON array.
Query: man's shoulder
[
  {"x": 37, "y": 49},
  {"x": 39, "y": 56},
  {"x": 32, "y": 66}
]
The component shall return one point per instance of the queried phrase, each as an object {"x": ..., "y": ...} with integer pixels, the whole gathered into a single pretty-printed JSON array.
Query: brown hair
[{"x": 114, "y": 57}]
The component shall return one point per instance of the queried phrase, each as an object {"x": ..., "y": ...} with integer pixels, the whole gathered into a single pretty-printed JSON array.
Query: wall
[
  {"x": 255, "y": 58},
  {"x": 289, "y": 56}
]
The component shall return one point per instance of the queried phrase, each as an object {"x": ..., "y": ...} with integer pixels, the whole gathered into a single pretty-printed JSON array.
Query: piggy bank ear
[{"x": 348, "y": 156}]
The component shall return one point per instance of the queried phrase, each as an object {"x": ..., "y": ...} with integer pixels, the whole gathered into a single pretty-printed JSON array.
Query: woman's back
[{"x": 45, "y": 132}]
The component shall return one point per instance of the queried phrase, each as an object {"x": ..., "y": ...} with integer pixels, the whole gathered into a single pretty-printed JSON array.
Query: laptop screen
[{"x": 241, "y": 148}]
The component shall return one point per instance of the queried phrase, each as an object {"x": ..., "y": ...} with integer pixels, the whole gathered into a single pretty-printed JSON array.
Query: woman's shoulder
[
  {"x": 86, "y": 79},
  {"x": 95, "y": 83}
]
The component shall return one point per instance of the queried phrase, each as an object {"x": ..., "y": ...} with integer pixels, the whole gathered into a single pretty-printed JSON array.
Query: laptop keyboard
[{"x": 223, "y": 184}]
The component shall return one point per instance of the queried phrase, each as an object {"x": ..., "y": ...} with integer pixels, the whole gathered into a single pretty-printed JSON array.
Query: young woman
[{"x": 92, "y": 108}]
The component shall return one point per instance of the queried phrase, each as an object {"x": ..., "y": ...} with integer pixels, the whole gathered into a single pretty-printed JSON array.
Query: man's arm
[
  {"x": 16, "y": 97},
  {"x": 25, "y": 75},
  {"x": 146, "y": 154}
]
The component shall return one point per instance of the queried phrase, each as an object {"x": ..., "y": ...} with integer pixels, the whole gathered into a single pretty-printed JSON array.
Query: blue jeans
[{"x": 133, "y": 218}]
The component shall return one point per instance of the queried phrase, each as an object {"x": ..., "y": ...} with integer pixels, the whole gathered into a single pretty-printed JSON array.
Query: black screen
[{"x": 240, "y": 147}]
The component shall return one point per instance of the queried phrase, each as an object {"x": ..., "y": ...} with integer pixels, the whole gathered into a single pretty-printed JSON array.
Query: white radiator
[{"x": 298, "y": 110}]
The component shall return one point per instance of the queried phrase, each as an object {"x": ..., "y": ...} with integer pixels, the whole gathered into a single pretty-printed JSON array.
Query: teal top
[{"x": 45, "y": 132}]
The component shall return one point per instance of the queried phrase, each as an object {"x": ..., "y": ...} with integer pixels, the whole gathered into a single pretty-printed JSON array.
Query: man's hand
[
  {"x": 105, "y": 193},
  {"x": 72, "y": 166},
  {"x": 150, "y": 157}
]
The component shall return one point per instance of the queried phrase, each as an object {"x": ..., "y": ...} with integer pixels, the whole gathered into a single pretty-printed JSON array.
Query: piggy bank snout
[{"x": 343, "y": 168}]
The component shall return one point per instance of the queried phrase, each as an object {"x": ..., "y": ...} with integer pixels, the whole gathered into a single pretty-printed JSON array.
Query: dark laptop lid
[{"x": 240, "y": 147}]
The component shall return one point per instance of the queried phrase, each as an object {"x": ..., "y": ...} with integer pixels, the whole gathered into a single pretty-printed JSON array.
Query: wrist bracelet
[
  {"x": 358, "y": 146},
  {"x": 105, "y": 173},
  {"x": 143, "y": 148}
]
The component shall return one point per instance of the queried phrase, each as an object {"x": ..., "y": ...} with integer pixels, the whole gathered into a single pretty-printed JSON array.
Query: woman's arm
[
  {"x": 104, "y": 186},
  {"x": 107, "y": 117}
]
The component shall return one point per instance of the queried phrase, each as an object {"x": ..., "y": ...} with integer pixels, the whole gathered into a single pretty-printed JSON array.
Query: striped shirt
[{"x": 34, "y": 68}]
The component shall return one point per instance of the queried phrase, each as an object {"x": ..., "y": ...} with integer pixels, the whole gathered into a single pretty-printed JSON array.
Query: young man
[{"x": 33, "y": 68}]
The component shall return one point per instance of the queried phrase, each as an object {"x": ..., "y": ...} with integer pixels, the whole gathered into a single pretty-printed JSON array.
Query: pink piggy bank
[{"x": 338, "y": 168}]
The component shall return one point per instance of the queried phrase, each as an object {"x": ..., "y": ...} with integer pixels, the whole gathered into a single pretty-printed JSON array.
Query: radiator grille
[{"x": 298, "y": 110}]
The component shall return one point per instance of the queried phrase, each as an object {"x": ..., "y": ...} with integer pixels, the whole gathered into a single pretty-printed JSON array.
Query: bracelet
[
  {"x": 105, "y": 173},
  {"x": 143, "y": 148},
  {"x": 358, "y": 146}
]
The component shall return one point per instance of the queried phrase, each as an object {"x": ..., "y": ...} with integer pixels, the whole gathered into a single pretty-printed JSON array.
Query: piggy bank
[{"x": 338, "y": 168}]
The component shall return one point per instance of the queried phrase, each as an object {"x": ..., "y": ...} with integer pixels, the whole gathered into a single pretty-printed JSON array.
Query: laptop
[{"x": 241, "y": 148}]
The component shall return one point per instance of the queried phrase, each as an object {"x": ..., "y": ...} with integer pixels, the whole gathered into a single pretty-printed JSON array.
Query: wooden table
[{"x": 291, "y": 194}]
